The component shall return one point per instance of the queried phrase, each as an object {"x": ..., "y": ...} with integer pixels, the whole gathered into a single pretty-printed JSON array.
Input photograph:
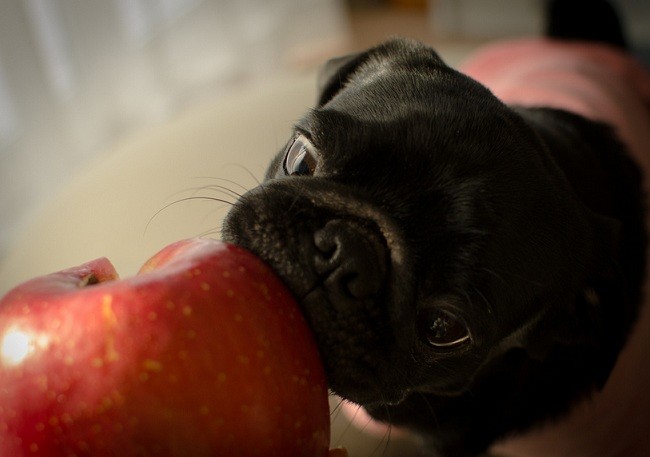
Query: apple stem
[{"x": 89, "y": 280}]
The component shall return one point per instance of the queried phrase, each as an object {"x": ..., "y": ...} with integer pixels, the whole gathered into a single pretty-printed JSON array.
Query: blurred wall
[
  {"x": 486, "y": 19},
  {"x": 76, "y": 76}
]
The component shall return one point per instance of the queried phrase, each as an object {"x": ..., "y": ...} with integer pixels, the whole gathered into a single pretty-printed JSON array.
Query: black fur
[{"x": 428, "y": 193}]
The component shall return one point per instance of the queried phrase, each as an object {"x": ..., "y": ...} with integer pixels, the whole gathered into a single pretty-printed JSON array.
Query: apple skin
[{"x": 202, "y": 353}]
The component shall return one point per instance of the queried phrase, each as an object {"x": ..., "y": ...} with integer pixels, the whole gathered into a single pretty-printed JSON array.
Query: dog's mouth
[
  {"x": 346, "y": 308},
  {"x": 342, "y": 261}
]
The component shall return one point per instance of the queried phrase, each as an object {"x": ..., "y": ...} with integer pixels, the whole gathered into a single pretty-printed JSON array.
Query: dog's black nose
[{"x": 353, "y": 260}]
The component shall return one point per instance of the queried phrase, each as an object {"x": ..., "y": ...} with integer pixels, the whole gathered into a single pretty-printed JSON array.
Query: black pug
[{"x": 470, "y": 268}]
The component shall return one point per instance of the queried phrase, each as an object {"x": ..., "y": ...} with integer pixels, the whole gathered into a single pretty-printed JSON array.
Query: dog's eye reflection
[
  {"x": 441, "y": 328},
  {"x": 300, "y": 158}
]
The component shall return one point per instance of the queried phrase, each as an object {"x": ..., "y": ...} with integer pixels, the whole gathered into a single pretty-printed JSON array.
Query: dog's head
[{"x": 423, "y": 228}]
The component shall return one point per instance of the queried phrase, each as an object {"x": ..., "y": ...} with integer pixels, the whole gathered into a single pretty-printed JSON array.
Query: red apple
[{"x": 203, "y": 353}]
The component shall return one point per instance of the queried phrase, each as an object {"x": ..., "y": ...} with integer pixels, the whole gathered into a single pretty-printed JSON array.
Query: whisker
[
  {"x": 223, "y": 189},
  {"x": 211, "y": 214},
  {"x": 407, "y": 379},
  {"x": 337, "y": 409},
  {"x": 214, "y": 187},
  {"x": 214, "y": 199},
  {"x": 493, "y": 273},
  {"x": 387, "y": 435},
  {"x": 349, "y": 420},
  {"x": 230, "y": 181},
  {"x": 216, "y": 231},
  {"x": 250, "y": 173},
  {"x": 484, "y": 299},
  {"x": 430, "y": 409},
  {"x": 295, "y": 200},
  {"x": 511, "y": 274},
  {"x": 385, "y": 438}
]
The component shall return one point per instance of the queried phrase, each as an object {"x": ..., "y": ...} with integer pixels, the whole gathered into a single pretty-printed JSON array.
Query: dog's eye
[
  {"x": 300, "y": 158},
  {"x": 440, "y": 328}
]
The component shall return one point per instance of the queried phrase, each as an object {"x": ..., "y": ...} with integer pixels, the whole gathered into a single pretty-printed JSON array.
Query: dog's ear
[
  {"x": 596, "y": 321},
  {"x": 608, "y": 305},
  {"x": 596, "y": 315},
  {"x": 335, "y": 73},
  {"x": 396, "y": 51}
]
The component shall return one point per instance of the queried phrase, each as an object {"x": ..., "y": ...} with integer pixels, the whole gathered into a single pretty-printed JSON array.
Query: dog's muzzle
[{"x": 342, "y": 259}]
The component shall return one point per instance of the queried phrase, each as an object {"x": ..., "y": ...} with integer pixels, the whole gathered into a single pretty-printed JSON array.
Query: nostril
[
  {"x": 360, "y": 287},
  {"x": 340, "y": 284},
  {"x": 352, "y": 258},
  {"x": 327, "y": 242}
]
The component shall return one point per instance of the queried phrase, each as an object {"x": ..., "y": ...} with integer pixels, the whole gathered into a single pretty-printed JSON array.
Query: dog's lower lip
[
  {"x": 310, "y": 290},
  {"x": 388, "y": 399},
  {"x": 396, "y": 400},
  {"x": 370, "y": 398}
]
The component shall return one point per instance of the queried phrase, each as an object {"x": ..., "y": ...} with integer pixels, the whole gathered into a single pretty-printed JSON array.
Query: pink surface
[{"x": 596, "y": 81}]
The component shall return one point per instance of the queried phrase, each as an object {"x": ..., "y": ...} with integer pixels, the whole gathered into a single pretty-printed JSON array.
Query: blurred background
[{"x": 78, "y": 76}]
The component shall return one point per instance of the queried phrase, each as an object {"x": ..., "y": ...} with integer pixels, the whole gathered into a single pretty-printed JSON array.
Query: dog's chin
[
  {"x": 377, "y": 393},
  {"x": 373, "y": 399},
  {"x": 348, "y": 307}
]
